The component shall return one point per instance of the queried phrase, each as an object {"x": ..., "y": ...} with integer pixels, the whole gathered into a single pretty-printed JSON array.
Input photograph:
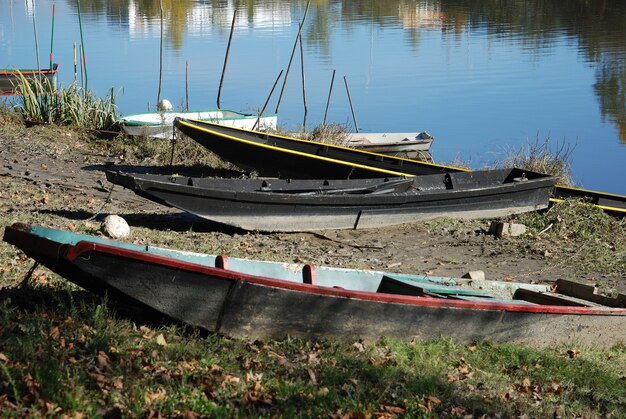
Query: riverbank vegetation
[{"x": 39, "y": 100}]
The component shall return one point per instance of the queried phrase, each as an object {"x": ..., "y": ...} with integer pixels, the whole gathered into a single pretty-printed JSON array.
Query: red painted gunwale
[
  {"x": 31, "y": 72},
  {"x": 84, "y": 247}
]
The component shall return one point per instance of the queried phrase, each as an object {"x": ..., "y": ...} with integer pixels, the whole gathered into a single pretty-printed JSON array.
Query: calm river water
[{"x": 484, "y": 77}]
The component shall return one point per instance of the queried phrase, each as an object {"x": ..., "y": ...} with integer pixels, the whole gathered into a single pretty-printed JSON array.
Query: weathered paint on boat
[
  {"x": 240, "y": 304},
  {"x": 304, "y": 205}
]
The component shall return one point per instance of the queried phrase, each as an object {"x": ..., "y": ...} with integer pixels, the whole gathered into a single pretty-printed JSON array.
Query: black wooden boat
[
  {"x": 259, "y": 299},
  {"x": 285, "y": 157},
  {"x": 300, "y": 205}
]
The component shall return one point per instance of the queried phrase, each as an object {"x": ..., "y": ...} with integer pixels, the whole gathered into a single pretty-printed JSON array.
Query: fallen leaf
[
  {"x": 160, "y": 340},
  {"x": 359, "y": 346},
  {"x": 103, "y": 360},
  {"x": 323, "y": 391}
]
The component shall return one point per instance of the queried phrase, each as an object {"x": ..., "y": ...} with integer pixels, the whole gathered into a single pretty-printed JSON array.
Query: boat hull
[
  {"x": 243, "y": 305},
  {"x": 9, "y": 78},
  {"x": 305, "y": 205},
  {"x": 405, "y": 145},
  {"x": 159, "y": 125}
]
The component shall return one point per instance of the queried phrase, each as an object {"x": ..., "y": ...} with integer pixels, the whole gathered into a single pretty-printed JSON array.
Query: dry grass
[{"x": 541, "y": 157}]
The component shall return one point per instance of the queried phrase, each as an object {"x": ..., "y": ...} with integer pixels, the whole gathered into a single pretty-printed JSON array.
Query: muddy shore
[{"x": 56, "y": 177}]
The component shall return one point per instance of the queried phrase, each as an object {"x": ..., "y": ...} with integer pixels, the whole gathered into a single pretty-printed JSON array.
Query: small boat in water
[
  {"x": 260, "y": 299},
  {"x": 303, "y": 205},
  {"x": 159, "y": 124},
  {"x": 409, "y": 145},
  {"x": 10, "y": 77},
  {"x": 280, "y": 156}
]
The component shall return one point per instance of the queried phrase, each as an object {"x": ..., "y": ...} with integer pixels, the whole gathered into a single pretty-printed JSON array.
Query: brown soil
[{"x": 56, "y": 176}]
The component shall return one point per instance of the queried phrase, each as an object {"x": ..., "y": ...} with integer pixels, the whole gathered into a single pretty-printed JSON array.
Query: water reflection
[{"x": 597, "y": 27}]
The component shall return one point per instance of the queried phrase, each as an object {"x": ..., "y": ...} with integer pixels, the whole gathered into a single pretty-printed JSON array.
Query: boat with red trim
[{"x": 258, "y": 299}]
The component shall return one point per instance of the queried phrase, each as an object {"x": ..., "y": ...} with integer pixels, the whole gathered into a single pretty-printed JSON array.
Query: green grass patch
[
  {"x": 39, "y": 100},
  {"x": 66, "y": 353}
]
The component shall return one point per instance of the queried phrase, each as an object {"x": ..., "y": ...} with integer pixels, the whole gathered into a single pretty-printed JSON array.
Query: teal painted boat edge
[{"x": 326, "y": 275}]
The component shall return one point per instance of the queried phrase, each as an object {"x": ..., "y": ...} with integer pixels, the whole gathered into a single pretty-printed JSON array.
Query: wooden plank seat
[{"x": 398, "y": 285}]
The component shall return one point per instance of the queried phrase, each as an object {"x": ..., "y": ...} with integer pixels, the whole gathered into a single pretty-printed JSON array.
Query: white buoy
[
  {"x": 164, "y": 105},
  {"x": 115, "y": 227}
]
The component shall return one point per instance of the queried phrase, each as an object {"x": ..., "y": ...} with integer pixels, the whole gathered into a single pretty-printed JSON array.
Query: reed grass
[
  {"x": 39, "y": 100},
  {"x": 541, "y": 157}
]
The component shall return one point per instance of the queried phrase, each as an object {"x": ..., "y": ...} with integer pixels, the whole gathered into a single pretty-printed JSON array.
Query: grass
[
  {"x": 39, "y": 100},
  {"x": 64, "y": 353},
  {"x": 541, "y": 157},
  {"x": 581, "y": 235}
]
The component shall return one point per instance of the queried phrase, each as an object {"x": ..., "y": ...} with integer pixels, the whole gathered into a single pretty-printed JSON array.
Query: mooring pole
[
  {"x": 330, "y": 91},
  {"x": 36, "y": 39},
  {"x": 230, "y": 38},
  {"x": 187, "y": 86},
  {"x": 356, "y": 126},
  {"x": 82, "y": 48},
  {"x": 160, "y": 56},
  {"x": 293, "y": 51},
  {"x": 52, "y": 36},
  {"x": 306, "y": 110},
  {"x": 267, "y": 101}
]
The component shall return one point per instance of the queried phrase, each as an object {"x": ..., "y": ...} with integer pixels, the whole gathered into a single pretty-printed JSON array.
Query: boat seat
[
  {"x": 398, "y": 285},
  {"x": 309, "y": 276}
]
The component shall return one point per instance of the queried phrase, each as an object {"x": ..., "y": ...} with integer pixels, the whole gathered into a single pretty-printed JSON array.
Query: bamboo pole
[
  {"x": 356, "y": 126},
  {"x": 36, "y": 38},
  {"x": 306, "y": 110},
  {"x": 293, "y": 51},
  {"x": 52, "y": 36},
  {"x": 160, "y": 56},
  {"x": 330, "y": 91},
  {"x": 187, "y": 86},
  {"x": 82, "y": 67},
  {"x": 75, "y": 73},
  {"x": 82, "y": 48},
  {"x": 258, "y": 120},
  {"x": 230, "y": 38}
]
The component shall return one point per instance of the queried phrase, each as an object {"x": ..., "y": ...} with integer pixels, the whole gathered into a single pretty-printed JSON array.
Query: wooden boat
[
  {"x": 279, "y": 156},
  {"x": 9, "y": 77},
  {"x": 409, "y": 145},
  {"x": 303, "y": 205},
  {"x": 257, "y": 299},
  {"x": 159, "y": 124}
]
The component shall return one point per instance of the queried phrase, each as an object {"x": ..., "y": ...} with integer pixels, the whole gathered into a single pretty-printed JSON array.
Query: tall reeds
[
  {"x": 39, "y": 100},
  {"x": 541, "y": 157}
]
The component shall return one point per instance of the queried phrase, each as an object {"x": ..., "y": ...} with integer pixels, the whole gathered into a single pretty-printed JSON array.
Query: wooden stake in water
[
  {"x": 82, "y": 67},
  {"x": 187, "y": 86},
  {"x": 230, "y": 38},
  {"x": 52, "y": 36},
  {"x": 356, "y": 126},
  {"x": 75, "y": 73},
  {"x": 82, "y": 49},
  {"x": 160, "y": 56},
  {"x": 303, "y": 84},
  {"x": 258, "y": 120},
  {"x": 36, "y": 38},
  {"x": 293, "y": 51},
  {"x": 330, "y": 91}
]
